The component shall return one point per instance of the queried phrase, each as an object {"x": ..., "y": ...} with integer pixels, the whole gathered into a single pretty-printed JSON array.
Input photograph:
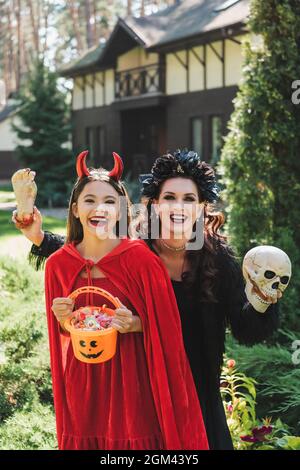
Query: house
[
  {"x": 160, "y": 82},
  {"x": 8, "y": 140}
]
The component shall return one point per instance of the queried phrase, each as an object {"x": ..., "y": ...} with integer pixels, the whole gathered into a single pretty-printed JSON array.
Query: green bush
[
  {"x": 34, "y": 430},
  {"x": 260, "y": 159},
  {"x": 277, "y": 379},
  {"x": 19, "y": 281},
  {"x": 16, "y": 391},
  {"x": 248, "y": 432},
  {"x": 26, "y": 403}
]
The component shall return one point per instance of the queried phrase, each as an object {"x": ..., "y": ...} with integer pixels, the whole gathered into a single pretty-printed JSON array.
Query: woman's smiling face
[
  {"x": 97, "y": 209},
  {"x": 178, "y": 207}
]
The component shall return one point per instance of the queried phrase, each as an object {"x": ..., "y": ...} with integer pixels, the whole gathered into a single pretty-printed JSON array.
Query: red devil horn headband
[{"x": 82, "y": 170}]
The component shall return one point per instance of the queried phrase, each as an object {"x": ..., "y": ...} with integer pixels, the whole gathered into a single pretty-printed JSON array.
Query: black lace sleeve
[
  {"x": 50, "y": 244},
  {"x": 247, "y": 325}
]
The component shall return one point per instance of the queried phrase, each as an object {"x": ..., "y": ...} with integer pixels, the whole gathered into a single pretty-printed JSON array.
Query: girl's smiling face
[
  {"x": 178, "y": 206},
  {"x": 98, "y": 209}
]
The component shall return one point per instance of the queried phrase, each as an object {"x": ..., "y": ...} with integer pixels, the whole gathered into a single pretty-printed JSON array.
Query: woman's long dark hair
[
  {"x": 201, "y": 277},
  {"x": 74, "y": 226}
]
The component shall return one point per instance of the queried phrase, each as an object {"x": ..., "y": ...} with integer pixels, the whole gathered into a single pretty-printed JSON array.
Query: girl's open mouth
[{"x": 98, "y": 221}]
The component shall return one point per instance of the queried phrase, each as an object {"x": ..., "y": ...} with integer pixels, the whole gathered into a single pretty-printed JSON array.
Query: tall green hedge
[{"x": 260, "y": 163}]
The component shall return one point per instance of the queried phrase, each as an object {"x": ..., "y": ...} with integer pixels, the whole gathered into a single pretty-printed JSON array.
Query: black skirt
[{"x": 204, "y": 366}]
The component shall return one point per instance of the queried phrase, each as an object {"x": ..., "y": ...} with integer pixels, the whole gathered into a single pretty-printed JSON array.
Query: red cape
[{"x": 141, "y": 276}]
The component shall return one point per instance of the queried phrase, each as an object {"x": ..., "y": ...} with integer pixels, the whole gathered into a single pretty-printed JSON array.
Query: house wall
[
  {"x": 100, "y": 116},
  {"x": 6, "y": 135},
  {"x": 233, "y": 62},
  {"x": 93, "y": 90},
  {"x": 8, "y": 142},
  {"x": 136, "y": 57},
  {"x": 205, "y": 67},
  {"x": 200, "y": 83},
  {"x": 201, "y": 67},
  {"x": 8, "y": 164},
  {"x": 197, "y": 69},
  {"x": 214, "y": 67},
  {"x": 182, "y": 108},
  {"x": 176, "y": 75}
]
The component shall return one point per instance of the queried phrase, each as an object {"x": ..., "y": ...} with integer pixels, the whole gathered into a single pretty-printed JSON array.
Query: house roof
[
  {"x": 186, "y": 19},
  {"x": 88, "y": 58},
  {"x": 183, "y": 20}
]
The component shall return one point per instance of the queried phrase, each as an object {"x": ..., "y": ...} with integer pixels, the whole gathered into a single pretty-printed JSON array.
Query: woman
[
  {"x": 208, "y": 282},
  {"x": 144, "y": 397}
]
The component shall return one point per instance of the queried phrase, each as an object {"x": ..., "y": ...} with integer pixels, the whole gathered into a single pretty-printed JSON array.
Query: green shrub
[
  {"x": 19, "y": 281},
  {"x": 34, "y": 430},
  {"x": 260, "y": 159},
  {"x": 277, "y": 379},
  {"x": 26, "y": 402},
  {"x": 16, "y": 392},
  {"x": 247, "y": 431}
]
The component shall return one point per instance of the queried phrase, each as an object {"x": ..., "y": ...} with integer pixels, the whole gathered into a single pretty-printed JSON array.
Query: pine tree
[
  {"x": 260, "y": 163},
  {"x": 44, "y": 125}
]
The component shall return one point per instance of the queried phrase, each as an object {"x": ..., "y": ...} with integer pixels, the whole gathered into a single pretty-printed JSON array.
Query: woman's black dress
[{"x": 204, "y": 326}]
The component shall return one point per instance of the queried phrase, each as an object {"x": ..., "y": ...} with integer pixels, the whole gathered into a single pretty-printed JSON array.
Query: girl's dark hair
[{"x": 74, "y": 226}]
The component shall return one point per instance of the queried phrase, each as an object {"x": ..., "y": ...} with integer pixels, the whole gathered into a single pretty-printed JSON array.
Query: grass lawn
[
  {"x": 12, "y": 242},
  {"x": 6, "y": 194},
  {"x": 7, "y": 228}
]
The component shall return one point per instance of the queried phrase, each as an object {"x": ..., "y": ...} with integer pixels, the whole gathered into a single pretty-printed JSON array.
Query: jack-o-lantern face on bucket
[
  {"x": 95, "y": 347},
  {"x": 90, "y": 345},
  {"x": 90, "y": 349}
]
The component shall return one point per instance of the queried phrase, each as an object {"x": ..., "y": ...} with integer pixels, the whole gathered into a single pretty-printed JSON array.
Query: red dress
[
  {"x": 144, "y": 397},
  {"x": 88, "y": 420}
]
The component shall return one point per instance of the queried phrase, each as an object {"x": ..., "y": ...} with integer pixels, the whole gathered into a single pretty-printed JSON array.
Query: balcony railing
[{"x": 140, "y": 81}]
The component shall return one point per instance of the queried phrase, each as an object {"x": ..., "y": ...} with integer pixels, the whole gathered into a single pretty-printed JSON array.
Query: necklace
[{"x": 180, "y": 248}]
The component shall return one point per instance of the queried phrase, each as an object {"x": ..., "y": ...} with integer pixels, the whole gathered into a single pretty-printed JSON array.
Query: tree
[
  {"x": 260, "y": 164},
  {"x": 44, "y": 122}
]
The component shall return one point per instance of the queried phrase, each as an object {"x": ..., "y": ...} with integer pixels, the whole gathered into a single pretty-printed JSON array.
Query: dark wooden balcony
[{"x": 140, "y": 81}]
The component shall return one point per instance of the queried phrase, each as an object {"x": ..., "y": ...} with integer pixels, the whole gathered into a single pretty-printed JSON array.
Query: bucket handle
[{"x": 95, "y": 290}]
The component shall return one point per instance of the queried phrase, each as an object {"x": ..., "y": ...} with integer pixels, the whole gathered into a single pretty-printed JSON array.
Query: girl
[
  {"x": 208, "y": 282},
  {"x": 144, "y": 397}
]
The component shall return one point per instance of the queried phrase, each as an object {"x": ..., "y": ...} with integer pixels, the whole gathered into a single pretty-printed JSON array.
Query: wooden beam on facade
[
  {"x": 84, "y": 91},
  {"x": 98, "y": 80},
  {"x": 197, "y": 57},
  {"x": 187, "y": 58},
  {"x": 180, "y": 60},
  {"x": 236, "y": 41},
  {"x": 204, "y": 68},
  {"x": 220, "y": 57},
  {"x": 94, "y": 90},
  {"x": 223, "y": 62},
  {"x": 103, "y": 88},
  {"x": 79, "y": 83}
]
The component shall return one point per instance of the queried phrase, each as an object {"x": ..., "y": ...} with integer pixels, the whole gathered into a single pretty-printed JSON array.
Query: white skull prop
[{"x": 266, "y": 270}]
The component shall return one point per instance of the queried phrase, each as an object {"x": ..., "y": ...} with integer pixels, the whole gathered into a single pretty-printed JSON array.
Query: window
[
  {"x": 197, "y": 136},
  {"x": 216, "y": 139}
]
